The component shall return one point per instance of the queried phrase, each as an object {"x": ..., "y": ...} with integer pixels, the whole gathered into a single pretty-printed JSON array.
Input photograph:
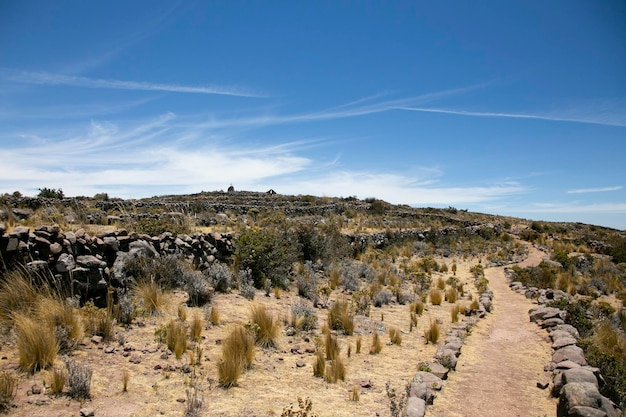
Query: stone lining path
[{"x": 502, "y": 361}]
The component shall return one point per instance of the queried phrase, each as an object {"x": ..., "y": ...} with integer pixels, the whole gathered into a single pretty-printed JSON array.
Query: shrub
[
  {"x": 268, "y": 253},
  {"x": 125, "y": 312},
  {"x": 395, "y": 336},
  {"x": 36, "y": 343},
  {"x": 377, "y": 345},
  {"x": 151, "y": 297},
  {"x": 198, "y": 288},
  {"x": 8, "y": 389},
  {"x": 382, "y": 297},
  {"x": 59, "y": 378},
  {"x": 220, "y": 277},
  {"x": 432, "y": 333},
  {"x": 78, "y": 380},
  {"x": 51, "y": 193},
  {"x": 195, "y": 327},
  {"x": 176, "y": 337},
  {"x": 246, "y": 287},
  {"x": 266, "y": 326},
  {"x": 361, "y": 301},
  {"x": 435, "y": 297},
  {"x": 303, "y": 316},
  {"x": 340, "y": 318}
]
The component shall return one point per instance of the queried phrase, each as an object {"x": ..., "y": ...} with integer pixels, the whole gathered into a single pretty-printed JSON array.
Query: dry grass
[
  {"x": 417, "y": 307},
  {"x": 432, "y": 333},
  {"x": 319, "y": 363},
  {"x": 334, "y": 277},
  {"x": 195, "y": 327},
  {"x": 335, "y": 371},
  {"x": 182, "y": 312},
  {"x": 454, "y": 312},
  {"x": 441, "y": 284},
  {"x": 125, "y": 380},
  {"x": 214, "y": 317},
  {"x": 331, "y": 346},
  {"x": 266, "y": 326},
  {"x": 395, "y": 336},
  {"x": 59, "y": 378},
  {"x": 99, "y": 321},
  {"x": 435, "y": 297},
  {"x": 8, "y": 389},
  {"x": 354, "y": 394},
  {"x": 377, "y": 345},
  {"x": 340, "y": 317},
  {"x": 36, "y": 343},
  {"x": 452, "y": 295},
  {"x": 474, "y": 305},
  {"x": 151, "y": 297},
  {"x": 176, "y": 337},
  {"x": 61, "y": 317},
  {"x": 359, "y": 340},
  {"x": 237, "y": 355},
  {"x": 18, "y": 295}
]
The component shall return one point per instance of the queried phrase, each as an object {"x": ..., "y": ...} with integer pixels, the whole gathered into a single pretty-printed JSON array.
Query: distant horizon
[
  {"x": 514, "y": 108},
  {"x": 225, "y": 191}
]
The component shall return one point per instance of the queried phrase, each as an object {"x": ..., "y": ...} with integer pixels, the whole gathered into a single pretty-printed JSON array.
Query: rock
[
  {"x": 583, "y": 394},
  {"x": 563, "y": 341},
  {"x": 415, "y": 407},
  {"x": 180, "y": 400},
  {"x": 569, "y": 353},
  {"x": 567, "y": 365},
  {"x": 90, "y": 261},
  {"x": 581, "y": 411},
  {"x": 543, "y": 384},
  {"x": 109, "y": 349},
  {"x": 65, "y": 263},
  {"x": 35, "y": 389},
  {"x": 573, "y": 375},
  {"x": 39, "y": 400},
  {"x": 430, "y": 379},
  {"x": 365, "y": 383},
  {"x": 439, "y": 370},
  {"x": 87, "y": 412},
  {"x": 21, "y": 231},
  {"x": 96, "y": 339},
  {"x": 136, "y": 359},
  {"x": 300, "y": 364},
  {"x": 552, "y": 322},
  {"x": 569, "y": 329},
  {"x": 421, "y": 390}
]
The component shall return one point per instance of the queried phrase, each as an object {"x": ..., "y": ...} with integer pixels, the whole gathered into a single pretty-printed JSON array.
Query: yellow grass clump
[
  {"x": 266, "y": 326},
  {"x": 237, "y": 355},
  {"x": 340, "y": 317},
  {"x": 432, "y": 333},
  {"x": 151, "y": 296},
  {"x": 195, "y": 327},
  {"x": 435, "y": 297},
  {"x": 36, "y": 343},
  {"x": 377, "y": 345},
  {"x": 176, "y": 337},
  {"x": 395, "y": 336}
]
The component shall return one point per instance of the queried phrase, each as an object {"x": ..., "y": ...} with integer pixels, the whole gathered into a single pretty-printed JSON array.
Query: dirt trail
[{"x": 501, "y": 361}]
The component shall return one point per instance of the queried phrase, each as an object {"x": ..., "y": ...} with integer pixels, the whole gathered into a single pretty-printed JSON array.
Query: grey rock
[
  {"x": 421, "y": 390},
  {"x": 569, "y": 329},
  {"x": 433, "y": 381},
  {"x": 438, "y": 370},
  {"x": 87, "y": 412},
  {"x": 90, "y": 261},
  {"x": 563, "y": 341},
  {"x": 582, "y": 411},
  {"x": 65, "y": 263},
  {"x": 570, "y": 376},
  {"x": 551, "y": 322},
  {"x": 569, "y": 353},
  {"x": 415, "y": 407}
]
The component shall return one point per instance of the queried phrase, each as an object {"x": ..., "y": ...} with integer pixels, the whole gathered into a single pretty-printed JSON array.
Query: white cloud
[
  {"x": 594, "y": 190},
  {"x": 50, "y": 79}
]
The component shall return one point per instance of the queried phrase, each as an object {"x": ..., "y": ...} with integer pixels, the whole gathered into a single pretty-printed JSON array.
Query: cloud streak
[
  {"x": 51, "y": 79},
  {"x": 607, "y": 120},
  {"x": 594, "y": 190}
]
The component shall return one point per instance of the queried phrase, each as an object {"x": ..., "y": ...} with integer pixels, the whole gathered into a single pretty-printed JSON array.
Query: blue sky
[{"x": 502, "y": 107}]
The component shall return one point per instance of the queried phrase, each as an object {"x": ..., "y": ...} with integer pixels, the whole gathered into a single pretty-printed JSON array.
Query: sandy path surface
[{"x": 501, "y": 361}]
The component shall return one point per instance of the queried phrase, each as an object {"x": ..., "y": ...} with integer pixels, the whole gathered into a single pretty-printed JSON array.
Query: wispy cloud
[
  {"x": 51, "y": 79},
  {"x": 607, "y": 119},
  {"x": 594, "y": 190}
]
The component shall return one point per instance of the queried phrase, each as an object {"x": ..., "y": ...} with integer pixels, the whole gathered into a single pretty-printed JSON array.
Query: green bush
[
  {"x": 51, "y": 193},
  {"x": 268, "y": 253},
  {"x": 156, "y": 226}
]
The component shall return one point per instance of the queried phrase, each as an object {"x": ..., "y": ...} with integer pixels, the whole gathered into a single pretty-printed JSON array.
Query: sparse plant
[
  {"x": 214, "y": 317},
  {"x": 395, "y": 336},
  {"x": 435, "y": 296},
  {"x": 377, "y": 345},
  {"x": 182, "y": 313},
  {"x": 125, "y": 380},
  {"x": 220, "y": 277},
  {"x": 196, "y": 326},
  {"x": 266, "y": 326},
  {"x": 358, "y": 343},
  {"x": 58, "y": 380},
  {"x": 237, "y": 355},
  {"x": 176, "y": 337},
  {"x": 454, "y": 313},
  {"x": 452, "y": 295},
  {"x": 319, "y": 363},
  {"x": 331, "y": 345},
  {"x": 305, "y": 408},
  {"x": 125, "y": 310},
  {"x": 340, "y": 317},
  {"x": 431, "y": 334},
  {"x": 335, "y": 371},
  {"x": 151, "y": 297},
  {"x": 246, "y": 287},
  {"x": 354, "y": 394},
  {"x": 78, "y": 380},
  {"x": 198, "y": 288},
  {"x": 36, "y": 343},
  {"x": 382, "y": 297},
  {"x": 397, "y": 402},
  {"x": 303, "y": 316},
  {"x": 441, "y": 284},
  {"x": 8, "y": 390}
]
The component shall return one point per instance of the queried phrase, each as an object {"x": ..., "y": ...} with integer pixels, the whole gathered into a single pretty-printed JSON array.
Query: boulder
[
  {"x": 570, "y": 376},
  {"x": 65, "y": 263},
  {"x": 567, "y": 328},
  {"x": 433, "y": 381},
  {"x": 439, "y": 370},
  {"x": 90, "y": 261},
  {"x": 583, "y": 394},
  {"x": 421, "y": 390},
  {"x": 551, "y": 322},
  {"x": 415, "y": 407},
  {"x": 581, "y": 411},
  {"x": 563, "y": 341},
  {"x": 569, "y": 353}
]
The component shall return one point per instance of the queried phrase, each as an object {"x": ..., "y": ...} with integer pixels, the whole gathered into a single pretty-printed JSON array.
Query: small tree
[{"x": 51, "y": 193}]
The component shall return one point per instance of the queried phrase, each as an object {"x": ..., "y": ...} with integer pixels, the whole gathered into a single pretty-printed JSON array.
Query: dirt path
[{"x": 501, "y": 361}]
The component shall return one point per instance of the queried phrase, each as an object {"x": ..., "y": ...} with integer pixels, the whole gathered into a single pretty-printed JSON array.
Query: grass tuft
[
  {"x": 125, "y": 380},
  {"x": 8, "y": 390},
  {"x": 377, "y": 345},
  {"x": 395, "y": 336},
  {"x": 354, "y": 394},
  {"x": 435, "y": 297},
  {"x": 341, "y": 318},
  {"x": 59, "y": 378},
  {"x": 36, "y": 343},
  {"x": 195, "y": 327},
  {"x": 319, "y": 363},
  {"x": 432, "y": 333},
  {"x": 151, "y": 297},
  {"x": 176, "y": 337},
  {"x": 452, "y": 295},
  {"x": 237, "y": 355},
  {"x": 331, "y": 346},
  {"x": 454, "y": 313},
  {"x": 335, "y": 371},
  {"x": 266, "y": 326}
]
